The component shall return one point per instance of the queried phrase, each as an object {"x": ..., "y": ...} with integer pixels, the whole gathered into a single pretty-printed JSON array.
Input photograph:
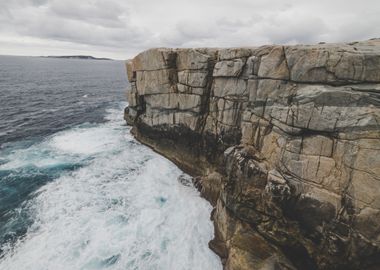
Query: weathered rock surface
[{"x": 283, "y": 140}]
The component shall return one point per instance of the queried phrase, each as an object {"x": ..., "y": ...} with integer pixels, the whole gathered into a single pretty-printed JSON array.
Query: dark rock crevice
[{"x": 283, "y": 141}]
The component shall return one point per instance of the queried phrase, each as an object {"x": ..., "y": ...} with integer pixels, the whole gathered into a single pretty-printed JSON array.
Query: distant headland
[{"x": 84, "y": 57}]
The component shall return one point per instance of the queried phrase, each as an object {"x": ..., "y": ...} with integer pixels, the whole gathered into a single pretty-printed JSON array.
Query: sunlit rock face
[{"x": 284, "y": 141}]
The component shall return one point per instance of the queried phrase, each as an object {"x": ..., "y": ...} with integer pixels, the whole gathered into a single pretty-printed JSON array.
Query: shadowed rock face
[{"x": 284, "y": 141}]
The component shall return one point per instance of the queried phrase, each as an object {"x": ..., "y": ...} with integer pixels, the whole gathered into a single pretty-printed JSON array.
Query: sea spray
[{"x": 122, "y": 207}]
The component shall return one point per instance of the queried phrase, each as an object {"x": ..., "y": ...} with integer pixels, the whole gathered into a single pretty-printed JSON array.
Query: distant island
[{"x": 85, "y": 57}]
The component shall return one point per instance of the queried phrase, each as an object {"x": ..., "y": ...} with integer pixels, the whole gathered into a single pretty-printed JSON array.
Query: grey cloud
[
  {"x": 107, "y": 14},
  {"x": 187, "y": 31},
  {"x": 358, "y": 29},
  {"x": 124, "y": 27},
  {"x": 300, "y": 30},
  {"x": 82, "y": 23},
  {"x": 38, "y": 2}
]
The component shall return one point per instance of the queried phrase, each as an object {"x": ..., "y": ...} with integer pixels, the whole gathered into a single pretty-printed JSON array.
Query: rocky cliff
[{"x": 284, "y": 141}]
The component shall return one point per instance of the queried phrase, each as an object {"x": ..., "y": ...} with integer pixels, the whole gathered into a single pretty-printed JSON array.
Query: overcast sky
[{"x": 121, "y": 28}]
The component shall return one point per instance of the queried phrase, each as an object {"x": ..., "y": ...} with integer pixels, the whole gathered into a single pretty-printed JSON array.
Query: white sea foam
[
  {"x": 85, "y": 141},
  {"x": 40, "y": 156},
  {"x": 124, "y": 210}
]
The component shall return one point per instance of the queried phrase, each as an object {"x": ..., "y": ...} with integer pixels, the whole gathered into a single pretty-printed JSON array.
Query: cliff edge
[{"x": 284, "y": 141}]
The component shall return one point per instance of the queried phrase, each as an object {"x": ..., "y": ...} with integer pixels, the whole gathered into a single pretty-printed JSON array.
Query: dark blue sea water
[{"x": 76, "y": 190}]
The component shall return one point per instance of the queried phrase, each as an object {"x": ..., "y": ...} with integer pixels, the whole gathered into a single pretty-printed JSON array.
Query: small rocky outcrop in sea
[{"x": 284, "y": 141}]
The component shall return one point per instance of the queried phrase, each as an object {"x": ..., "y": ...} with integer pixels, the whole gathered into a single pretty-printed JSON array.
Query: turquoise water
[{"x": 86, "y": 194}]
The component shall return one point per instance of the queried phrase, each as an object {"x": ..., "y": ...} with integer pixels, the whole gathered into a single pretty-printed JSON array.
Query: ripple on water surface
[{"x": 119, "y": 206}]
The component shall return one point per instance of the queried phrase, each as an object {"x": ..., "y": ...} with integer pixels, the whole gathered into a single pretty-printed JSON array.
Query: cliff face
[{"x": 284, "y": 141}]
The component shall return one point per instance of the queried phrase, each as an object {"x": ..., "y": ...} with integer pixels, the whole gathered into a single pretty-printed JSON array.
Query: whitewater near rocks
[
  {"x": 123, "y": 208},
  {"x": 78, "y": 191},
  {"x": 284, "y": 141}
]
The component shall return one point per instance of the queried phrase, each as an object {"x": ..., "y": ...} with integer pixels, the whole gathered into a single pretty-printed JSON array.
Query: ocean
[{"x": 77, "y": 191}]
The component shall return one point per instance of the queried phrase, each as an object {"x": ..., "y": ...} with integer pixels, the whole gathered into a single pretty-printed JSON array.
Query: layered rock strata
[{"x": 284, "y": 141}]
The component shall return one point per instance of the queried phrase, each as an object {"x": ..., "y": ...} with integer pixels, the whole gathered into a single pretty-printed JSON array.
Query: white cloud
[{"x": 122, "y": 28}]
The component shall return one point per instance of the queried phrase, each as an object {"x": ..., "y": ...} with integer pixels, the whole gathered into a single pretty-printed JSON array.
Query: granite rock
[{"x": 284, "y": 141}]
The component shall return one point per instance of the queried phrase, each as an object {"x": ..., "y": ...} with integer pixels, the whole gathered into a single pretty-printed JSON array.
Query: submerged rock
[{"x": 284, "y": 141}]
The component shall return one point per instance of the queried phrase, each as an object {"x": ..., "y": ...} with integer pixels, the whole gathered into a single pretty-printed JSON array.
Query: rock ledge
[{"x": 284, "y": 141}]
